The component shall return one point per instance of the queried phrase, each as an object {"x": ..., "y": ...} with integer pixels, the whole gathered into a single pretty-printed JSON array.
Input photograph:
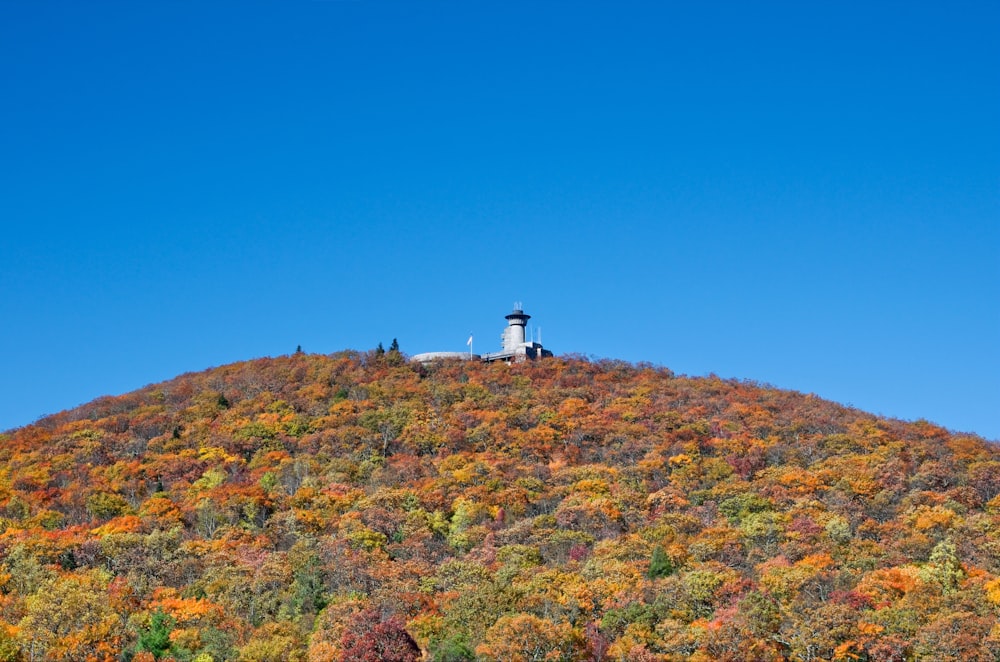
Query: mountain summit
[{"x": 362, "y": 507}]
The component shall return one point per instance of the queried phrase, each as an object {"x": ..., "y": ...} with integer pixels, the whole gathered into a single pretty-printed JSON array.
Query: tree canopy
[{"x": 354, "y": 506}]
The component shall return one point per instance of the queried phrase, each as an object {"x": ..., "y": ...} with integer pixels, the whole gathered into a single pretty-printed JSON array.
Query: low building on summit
[{"x": 514, "y": 346}]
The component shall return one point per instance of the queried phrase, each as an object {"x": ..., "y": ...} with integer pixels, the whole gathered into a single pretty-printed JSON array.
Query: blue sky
[{"x": 802, "y": 194}]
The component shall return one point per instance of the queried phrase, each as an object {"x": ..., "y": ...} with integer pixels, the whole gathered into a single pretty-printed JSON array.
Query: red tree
[{"x": 370, "y": 639}]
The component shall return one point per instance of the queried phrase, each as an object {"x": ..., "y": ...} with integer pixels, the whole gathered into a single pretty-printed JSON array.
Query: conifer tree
[{"x": 660, "y": 564}]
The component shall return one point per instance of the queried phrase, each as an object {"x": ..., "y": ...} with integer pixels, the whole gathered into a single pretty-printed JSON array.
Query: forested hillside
[{"x": 357, "y": 507}]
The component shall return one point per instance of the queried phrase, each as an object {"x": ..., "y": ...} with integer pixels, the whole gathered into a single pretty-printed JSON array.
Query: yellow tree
[
  {"x": 528, "y": 638},
  {"x": 69, "y": 619}
]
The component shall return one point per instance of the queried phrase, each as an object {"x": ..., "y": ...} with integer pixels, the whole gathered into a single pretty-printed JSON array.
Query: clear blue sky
[{"x": 803, "y": 194}]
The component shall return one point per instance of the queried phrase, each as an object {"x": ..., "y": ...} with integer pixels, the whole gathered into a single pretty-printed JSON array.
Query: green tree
[
  {"x": 454, "y": 648},
  {"x": 156, "y": 638},
  {"x": 307, "y": 589},
  {"x": 943, "y": 567},
  {"x": 660, "y": 565},
  {"x": 105, "y": 505}
]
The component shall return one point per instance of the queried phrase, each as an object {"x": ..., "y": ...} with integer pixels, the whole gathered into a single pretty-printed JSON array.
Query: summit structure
[
  {"x": 514, "y": 346},
  {"x": 513, "y": 343}
]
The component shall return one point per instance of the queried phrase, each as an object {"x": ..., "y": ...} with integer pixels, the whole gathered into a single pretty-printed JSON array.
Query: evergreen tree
[
  {"x": 156, "y": 639},
  {"x": 660, "y": 565}
]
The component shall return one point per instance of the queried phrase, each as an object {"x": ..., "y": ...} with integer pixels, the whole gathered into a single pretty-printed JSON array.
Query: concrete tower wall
[{"x": 513, "y": 335}]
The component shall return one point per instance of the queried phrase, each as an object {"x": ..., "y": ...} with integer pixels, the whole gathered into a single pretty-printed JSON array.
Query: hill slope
[{"x": 356, "y": 507}]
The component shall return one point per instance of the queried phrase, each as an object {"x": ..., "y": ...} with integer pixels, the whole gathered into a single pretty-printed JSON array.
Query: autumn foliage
[{"x": 356, "y": 507}]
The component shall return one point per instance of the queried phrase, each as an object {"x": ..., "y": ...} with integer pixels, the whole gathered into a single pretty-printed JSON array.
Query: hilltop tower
[
  {"x": 514, "y": 347},
  {"x": 513, "y": 336}
]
